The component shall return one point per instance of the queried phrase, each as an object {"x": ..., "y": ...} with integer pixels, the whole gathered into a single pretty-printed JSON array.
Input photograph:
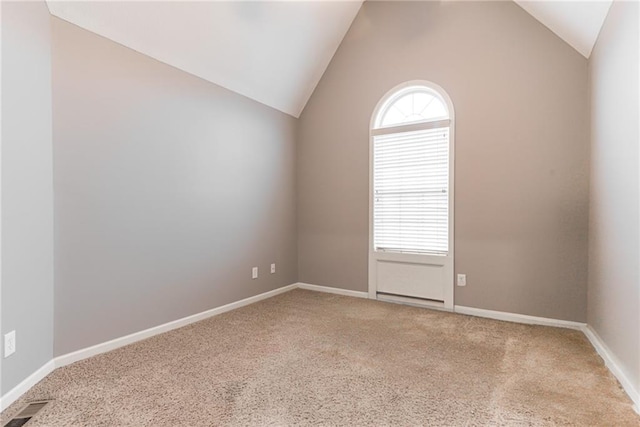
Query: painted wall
[
  {"x": 27, "y": 189},
  {"x": 522, "y": 151},
  {"x": 614, "y": 220},
  {"x": 168, "y": 190}
]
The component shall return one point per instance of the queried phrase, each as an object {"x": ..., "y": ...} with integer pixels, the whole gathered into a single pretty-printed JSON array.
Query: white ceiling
[
  {"x": 272, "y": 52},
  {"x": 578, "y": 22}
]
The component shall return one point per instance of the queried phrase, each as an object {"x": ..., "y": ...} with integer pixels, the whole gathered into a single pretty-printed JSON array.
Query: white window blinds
[{"x": 411, "y": 198}]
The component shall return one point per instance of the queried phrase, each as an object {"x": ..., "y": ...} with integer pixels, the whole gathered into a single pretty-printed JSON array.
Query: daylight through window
[{"x": 411, "y": 173}]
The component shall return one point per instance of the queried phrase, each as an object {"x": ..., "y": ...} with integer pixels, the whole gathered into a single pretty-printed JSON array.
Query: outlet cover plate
[
  {"x": 9, "y": 343},
  {"x": 462, "y": 280}
]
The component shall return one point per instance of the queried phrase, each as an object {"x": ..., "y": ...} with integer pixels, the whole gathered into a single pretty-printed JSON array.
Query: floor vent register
[{"x": 27, "y": 413}]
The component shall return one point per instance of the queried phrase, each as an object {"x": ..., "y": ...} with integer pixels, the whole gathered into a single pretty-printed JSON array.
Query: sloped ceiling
[
  {"x": 577, "y": 22},
  {"x": 274, "y": 52}
]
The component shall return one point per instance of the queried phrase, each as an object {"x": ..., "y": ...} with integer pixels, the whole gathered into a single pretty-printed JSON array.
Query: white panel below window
[{"x": 411, "y": 279}]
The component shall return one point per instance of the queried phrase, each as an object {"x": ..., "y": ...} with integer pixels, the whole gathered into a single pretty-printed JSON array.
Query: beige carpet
[{"x": 307, "y": 358}]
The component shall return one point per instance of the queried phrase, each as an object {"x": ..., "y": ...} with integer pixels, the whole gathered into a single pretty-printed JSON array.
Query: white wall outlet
[
  {"x": 462, "y": 280},
  {"x": 273, "y": 268},
  {"x": 9, "y": 343},
  {"x": 254, "y": 273}
]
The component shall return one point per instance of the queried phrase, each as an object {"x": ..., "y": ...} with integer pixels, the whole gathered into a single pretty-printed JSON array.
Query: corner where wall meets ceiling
[
  {"x": 273, "y": 52},
  {"x": 576, "y": 22}
]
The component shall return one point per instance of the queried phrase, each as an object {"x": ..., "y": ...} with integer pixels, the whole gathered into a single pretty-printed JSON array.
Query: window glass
[
  {"x": 411, "y": 173},
  {"x": 412, "y": 106}
]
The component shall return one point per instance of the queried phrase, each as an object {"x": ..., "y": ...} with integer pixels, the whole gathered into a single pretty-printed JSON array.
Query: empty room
[{"x": 340, "y": 213}]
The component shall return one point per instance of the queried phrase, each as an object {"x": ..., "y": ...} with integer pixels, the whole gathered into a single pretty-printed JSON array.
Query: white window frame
[{"x": 388, "y": 98}]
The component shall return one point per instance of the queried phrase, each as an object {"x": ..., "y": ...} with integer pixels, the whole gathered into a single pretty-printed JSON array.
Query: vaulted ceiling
[
  {"x": 274, "y": 52},
  {"x": 577, "y": 22}
]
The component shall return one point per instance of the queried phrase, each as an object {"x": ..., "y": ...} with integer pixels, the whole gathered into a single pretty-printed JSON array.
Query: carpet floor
[{"x": 308, "y": 358}]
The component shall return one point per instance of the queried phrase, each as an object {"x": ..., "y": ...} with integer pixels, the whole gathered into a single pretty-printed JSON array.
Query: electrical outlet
[
  {"x": 462, "y": 280},
  {"x": 254, "y": 273},
  {"x": 9, "y": 343},
  {"x": 273, "y": 268}
]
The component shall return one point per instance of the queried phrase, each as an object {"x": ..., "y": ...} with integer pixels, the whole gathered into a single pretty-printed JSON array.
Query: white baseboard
[
  {"x": 66, "y": 359},
  {"x": 614, "y": 365},
  {"x": 414, "y": 302},
  {"x": 610, "y": 360},
  {"x": 518, "y": 318},
  {"x": 330, "y": 290},
  {"x": 137, "y": 336},
  {"x": 15, "y": 393}
]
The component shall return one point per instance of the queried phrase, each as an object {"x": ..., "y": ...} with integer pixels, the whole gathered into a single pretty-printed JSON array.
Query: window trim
[
  {"x": 384, "y": 101},
  {"x": 404, "y": 89},
  {"x": 410, "y": 127}
]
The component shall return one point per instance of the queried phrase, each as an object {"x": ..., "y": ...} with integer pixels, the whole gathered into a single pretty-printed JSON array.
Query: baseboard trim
[
  {"x": 610, "y": 360},
  {"x": 66, "y": 359},
  {"x": 518, "y": 318},
  {"x": 414, "y": 302},
  {"x": 14, "y": 394},
  {"x": 330, "y": 290},
  {"x": 613, "y": 364},
  {"x": 166, "y": 327}
]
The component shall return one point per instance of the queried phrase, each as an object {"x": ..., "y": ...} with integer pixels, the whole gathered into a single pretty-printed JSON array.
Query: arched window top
[{"x": 412, "y": 104}]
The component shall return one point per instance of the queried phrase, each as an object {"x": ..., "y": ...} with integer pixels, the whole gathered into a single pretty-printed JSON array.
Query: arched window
[
  {"x": 412, "y": 104},
  {"x": 411, "y": 201},
  {"x": 411, "y": 172}
]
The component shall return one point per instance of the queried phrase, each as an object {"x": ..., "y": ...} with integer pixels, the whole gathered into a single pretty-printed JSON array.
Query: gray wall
[
  {"x": 614, "y": 220},
  {"x": 27, "y": 189},
  {"x": 168, "y": 190},
  {"x": 521, "y": 101}
]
